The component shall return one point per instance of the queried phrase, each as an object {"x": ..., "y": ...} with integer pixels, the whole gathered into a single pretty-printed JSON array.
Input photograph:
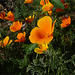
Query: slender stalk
[{"x": 36, "y": 57}]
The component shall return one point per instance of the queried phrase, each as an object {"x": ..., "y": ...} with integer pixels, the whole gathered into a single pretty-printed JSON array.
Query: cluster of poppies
[{"x": 43, "y": 33}]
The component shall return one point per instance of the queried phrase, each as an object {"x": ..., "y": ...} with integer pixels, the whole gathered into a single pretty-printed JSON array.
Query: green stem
[
  {"x": 53, "y": 61},
  {"x": 36, "y": 57}
]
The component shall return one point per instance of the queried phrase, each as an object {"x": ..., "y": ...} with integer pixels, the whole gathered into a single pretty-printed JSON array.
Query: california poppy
[
  {"x": 42, "y": 34},
  {"x": 28, "y": 1},
  {"x": 5, "y": 41},
  {"x": 29, "y": 19},
  {"x": 21, "y": 37},
  {"x": 10, "y": 16},
  {"x": 42, "y": 2},
  {"x": 16, "y": 26},
  {"x": 65, "y": 22},
  {"x": 47, "y": 6},
  {"x": 41, "y": 49},
  {"x": 65, "y": 5},
  {"x": 2, "y": 15}
]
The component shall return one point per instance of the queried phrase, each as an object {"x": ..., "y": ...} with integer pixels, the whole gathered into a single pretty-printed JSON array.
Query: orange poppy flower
[
  {"x": 47, "y": 6},
  {"x": 65, "y": 5},
  {"x": 10, "y": 16},
  {"x": 2, "y": 15},
  {"x": 28, "y": 1},
  {"x": 29, "y": 19},
  {"x": 42, "y": 48},
  {"x": 5, "y": 41},
  {"x": 66, "y": 22},
  {"x": 42, "y": 2},
  {"x": 42, "y": 34},
  {"x": 16, "y": 26},
  {"x": 21, "y": 37}
]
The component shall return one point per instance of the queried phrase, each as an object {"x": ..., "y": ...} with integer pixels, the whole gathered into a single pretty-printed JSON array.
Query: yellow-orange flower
[
  {"x": 29, "y": 19},
  {"x": 21, "y": 37},
  {"x": 42, "y": 2},
  {"x": 2, "y": 15},
  {"x": 5, "y": 41},
  {"x": 42, "y": 48},
  {"x": 16, "y": 26},
  {"x": 28, "y": 1},
  {"x": 10, "y": 16},
  {"x": 47, "y": 6},
  {"x": 42, "y": 34},
  {"x": 66, "y": 22}
]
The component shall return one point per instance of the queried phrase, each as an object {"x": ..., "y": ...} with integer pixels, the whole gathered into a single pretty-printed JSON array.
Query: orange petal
[
  {"x": 5, "y": 41},
  {"x": 63, "y": 25},
  {"x": 47, "y": 7},
  {"x": 2, "y": 15},
  {"x": 52, "y": 29},
  {"x": 21, "y": 37},
  {"x": 38, "y": 50},
  {"x": 12, "y": 28},
  {"x": 37, "y": 36},
  {"x": 66, "y": 22},
  {"x": 42, "y": 2},
  {"x": 17, "y": 40},
  {"x": 69, "y": 20},
  {"x": 45, "y": 24},
  {"x": 28, "y": 1},
  {"x": 46, "y": 1},
  {"x": 29, "y": 19},
  {"x": 10, "y": 42},
  {"x": 50, "y": 12},
  {"x": 10, "y": 16},
  {"x": 48, "y": 39},
  {"x": 24, "y": 34},
  {"x": 16, "y": 26},
  {"x": 43, "y": 46}
]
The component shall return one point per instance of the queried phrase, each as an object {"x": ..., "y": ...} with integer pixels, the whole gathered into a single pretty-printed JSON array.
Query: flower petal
[
  {"x": 38, "y": 50},
  {"x": 5, "y": 41},
  {"x": 10, "y": 16},
  {"x": 16, "y": 26},
  {"x": 12, "y": 28},
  {"x": 42, "y": 2},
  {"x": 37, "y": 36},
  {"x": 48, "y": 7},
  {"x": 45, "y": 24}
]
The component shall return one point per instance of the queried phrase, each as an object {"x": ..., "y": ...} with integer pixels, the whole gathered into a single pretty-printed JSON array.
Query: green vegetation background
[{"x": 20, "y": 59}]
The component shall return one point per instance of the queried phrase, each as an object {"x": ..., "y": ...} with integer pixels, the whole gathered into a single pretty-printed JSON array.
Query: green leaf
[
  {"x": 58, "y": 3},
  {"x": 28, "y": 48}
]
